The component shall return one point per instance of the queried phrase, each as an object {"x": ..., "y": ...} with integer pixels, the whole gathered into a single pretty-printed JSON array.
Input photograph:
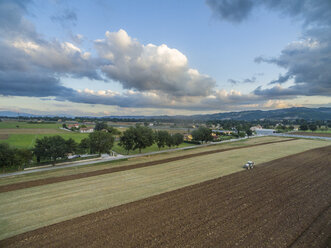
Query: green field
[
  {"x": 14, "y": 124},
  {"x": 28, "y": 140},
  {"x": 28, "y": 209}
]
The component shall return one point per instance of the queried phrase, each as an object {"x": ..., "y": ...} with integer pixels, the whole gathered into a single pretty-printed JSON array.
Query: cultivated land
[
  {"x": 32, "y": 131},
  {"x": 30, "y": 208},
  {"x": 144, "y": 159},
  {"x": 282, "y": 203},
  {"x": 318, "y": 134},
  {"x": 14, "y": 124}
]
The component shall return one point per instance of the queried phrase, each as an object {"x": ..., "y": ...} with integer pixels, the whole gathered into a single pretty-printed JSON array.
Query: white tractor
[{"x": 249, "y": 165}]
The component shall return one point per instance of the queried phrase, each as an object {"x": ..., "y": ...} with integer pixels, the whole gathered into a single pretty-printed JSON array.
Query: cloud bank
[
  {"x": 150, "y": 67},
  {"x": 306, "y": 61},
  {"x": 157, "y": 76}
]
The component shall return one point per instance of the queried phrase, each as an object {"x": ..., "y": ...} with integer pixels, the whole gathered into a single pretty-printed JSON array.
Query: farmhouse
[
  {"x": 73, "y": 125},
  {"x": 86, "y": 130},
  {"x": 256, "y": 127}
]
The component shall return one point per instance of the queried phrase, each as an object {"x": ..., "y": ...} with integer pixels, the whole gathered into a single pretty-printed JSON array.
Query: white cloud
[{"x": 150, "y": 67}]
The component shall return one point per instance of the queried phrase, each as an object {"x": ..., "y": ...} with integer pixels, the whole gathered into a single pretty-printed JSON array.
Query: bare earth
[
  {"x": 282, "y": 203},
  {"x": 4, "y": 136},
  {"x": 39, "y": 182},
  {"x": 313, "y": 134}
]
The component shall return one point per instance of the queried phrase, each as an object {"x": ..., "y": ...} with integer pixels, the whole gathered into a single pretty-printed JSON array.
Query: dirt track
[
  {"x": 313, "y": 134},
  {"x": 284, "y": 203},
  {"x": 40, "y": 182}
]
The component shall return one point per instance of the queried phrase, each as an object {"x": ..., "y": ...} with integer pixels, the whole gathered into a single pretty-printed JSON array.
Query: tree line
[
  {"x": 140, "y": 137},
  {"x": 53, "y": 148}
]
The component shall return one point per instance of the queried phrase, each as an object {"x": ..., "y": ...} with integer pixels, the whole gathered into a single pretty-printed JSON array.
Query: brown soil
[
  {"x": 4, "y": 136},
  {"x": 284, "y": 203},
  {"x": 313, "y": 134},
  {"x": 40, "y": 182}
]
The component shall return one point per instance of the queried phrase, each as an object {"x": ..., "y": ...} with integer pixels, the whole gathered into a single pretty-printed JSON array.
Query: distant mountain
[
  {"x": 278, "y": 114},
  {"x": 14, "y": 114},
  {"x": 17, "y": 114}
]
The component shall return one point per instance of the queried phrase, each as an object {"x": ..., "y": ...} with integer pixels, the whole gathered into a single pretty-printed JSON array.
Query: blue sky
[{"x": 179, "y": 57}]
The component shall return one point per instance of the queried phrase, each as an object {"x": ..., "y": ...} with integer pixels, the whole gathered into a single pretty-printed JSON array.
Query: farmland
[
  {"x": 318, "y": 134},
  {"x": 52, "y": 203},
  {"x": 29, "y": 140},
  {"x": 250, "y": 208},
  {"x": 144, "y": 159},
  {"x": 27, "y": 125}
]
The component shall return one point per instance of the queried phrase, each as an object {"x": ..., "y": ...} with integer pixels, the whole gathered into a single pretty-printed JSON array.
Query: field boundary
[{"x": 51, "y": 180}]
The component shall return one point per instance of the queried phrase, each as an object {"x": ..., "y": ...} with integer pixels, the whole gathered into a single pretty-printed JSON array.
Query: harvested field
[
  {"x": 92, "y": 167},
  {"x": 40, "y": 182},
  {"x": 312, "y": 134},
  {"x": 282, "y": 203}
]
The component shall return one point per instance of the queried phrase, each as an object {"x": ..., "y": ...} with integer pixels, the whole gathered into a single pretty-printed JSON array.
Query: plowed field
[{"x": 282, "y": 203}]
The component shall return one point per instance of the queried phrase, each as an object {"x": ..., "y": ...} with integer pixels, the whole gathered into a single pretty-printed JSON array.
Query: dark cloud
[
  {"x": 12, "y": 22},
  {"x": 28, "y": 84},
  {"x": 231, "y": 10},
  {"x": 307, "y": 61},
  {"x": 311, "y": 11},
  {"x": 247, "y": 80},
  {"x": 281, "y": 79}
]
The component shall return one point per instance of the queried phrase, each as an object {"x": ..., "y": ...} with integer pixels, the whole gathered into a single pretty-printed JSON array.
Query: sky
[{"x": 170, "y": 57}]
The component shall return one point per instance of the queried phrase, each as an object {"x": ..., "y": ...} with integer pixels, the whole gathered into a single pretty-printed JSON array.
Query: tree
[
  {"x": 101, "y": 142},
  {"x": 303, "y": 127},
  {"x": 7, "y": 156},
  {"x": 127, "y": 139},
  {"x": 84, "y": 145},
  {"x": 313, "y": 127},
  {"x": 241, "y": 134},
  {"x": 24, "y": 156},
  {"x": 10, "y": 157},
  {"x": 202, "y": 134},
  {"x": 249, "y": 132},
  {"x": 100, "y": 126},
  {"x": 71, "y": 145},
  {"x": 143, "y": 137},
  {"x": 113, "y": 131},
  {"x": 197, "y": 135},
  {"x": 64, "y": 125},
  {"x": 161, "y": 138},
  {"x": 52, "y": 148},
  {"x": 170, "y": 140},
  {"x": 178, "y": 139}
]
